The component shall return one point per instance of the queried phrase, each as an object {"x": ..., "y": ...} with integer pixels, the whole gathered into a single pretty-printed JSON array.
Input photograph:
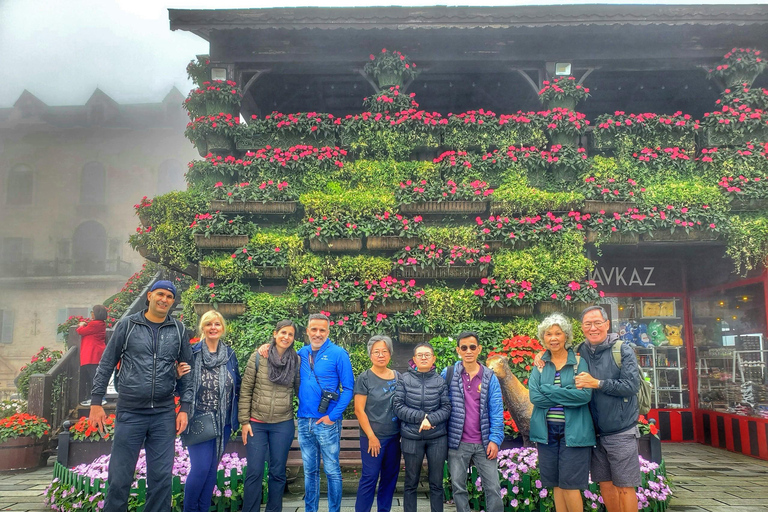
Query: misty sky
[{"x": 61, "y": 50}]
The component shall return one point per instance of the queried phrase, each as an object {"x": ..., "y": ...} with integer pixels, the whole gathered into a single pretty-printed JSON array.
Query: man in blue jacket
[
  {"x": 148, "y": 345},
  {"x": 476, "y": 427},
  {"x": 615, "y": 409},
  {"x": 325, "y": 391}
]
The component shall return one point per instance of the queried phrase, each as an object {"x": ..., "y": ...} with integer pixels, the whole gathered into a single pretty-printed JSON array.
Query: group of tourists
[{"x": 584, "y": 415}]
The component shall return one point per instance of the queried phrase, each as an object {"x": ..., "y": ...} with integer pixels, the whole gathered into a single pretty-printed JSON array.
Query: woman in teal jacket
[{"x": 561, "y": 424}]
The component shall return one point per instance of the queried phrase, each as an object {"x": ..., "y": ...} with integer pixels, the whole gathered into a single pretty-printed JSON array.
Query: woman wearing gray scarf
[
  {"x": 266, "y": 416},
  {"x": 216, "y": 381}
]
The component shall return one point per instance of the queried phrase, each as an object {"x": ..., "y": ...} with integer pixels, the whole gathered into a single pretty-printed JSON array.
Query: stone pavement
[{"x": 704, "y": 479}]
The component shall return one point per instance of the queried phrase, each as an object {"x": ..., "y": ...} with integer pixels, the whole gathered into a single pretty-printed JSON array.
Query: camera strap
[{"x": 312, "y": 367}]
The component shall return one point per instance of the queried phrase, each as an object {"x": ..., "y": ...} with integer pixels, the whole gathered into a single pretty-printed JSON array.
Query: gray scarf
[
  {"x": 212, "y": 361},
  {"x": 282, "y": 370}
]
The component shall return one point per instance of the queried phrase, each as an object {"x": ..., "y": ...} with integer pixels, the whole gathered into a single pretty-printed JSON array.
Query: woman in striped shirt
[{"x": 561, "y": 423}]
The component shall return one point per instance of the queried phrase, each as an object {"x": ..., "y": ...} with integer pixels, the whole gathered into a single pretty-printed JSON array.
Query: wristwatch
[{"x": 599, "y": 384}]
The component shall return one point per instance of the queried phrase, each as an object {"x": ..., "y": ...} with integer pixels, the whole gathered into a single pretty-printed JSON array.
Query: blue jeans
[
  {"x": 203, "y": 467},
  {"x": 157, "y": 431},
  {"x": 271, "y": 440},
  {"x": 386, "y": 466},
  {"x": 316, "y": 440}
]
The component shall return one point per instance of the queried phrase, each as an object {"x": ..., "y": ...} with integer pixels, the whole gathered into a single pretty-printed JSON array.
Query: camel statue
[{"x": 515, "y": 395}]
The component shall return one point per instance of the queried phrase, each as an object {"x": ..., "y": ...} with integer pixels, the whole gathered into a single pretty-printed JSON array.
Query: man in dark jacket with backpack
[
  {"x": 615, "y": 464},
  {"x": 148, "y": 345}
]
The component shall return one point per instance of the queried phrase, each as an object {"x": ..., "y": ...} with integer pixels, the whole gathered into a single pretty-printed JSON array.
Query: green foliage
[
  {"x": 748, "y": 242},
  {"x": 224, "y": 266},
  {"x": 445, "y": 351},
  {"x": 44, "y": 360},
  {"x": 385, "y": 174},
  {"x": 170, "y": 237},
  {"x": 446, "y": 307},
  {"x": 517, "y": 197},
  {"x": 358, "y": 355},
  {"x": 449, "y": 236},
  {"x": 304, "y": 266},
  {"x": 685, "y": 194},
  {"x": 359, "y": 267},
  {"x": 347, "y": 204},
  {"x": 603, "y": 168}
]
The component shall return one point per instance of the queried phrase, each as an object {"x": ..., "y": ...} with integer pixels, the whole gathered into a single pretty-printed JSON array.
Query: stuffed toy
[
  {"x": 641, "y": 336},
  {"x": 667, "y": 308},
  {"x": 656, "y": 333},
  {"x": 627, "y": 332},
  {"x": 700, "y": 338},
  {"x": 674, "y": 334},
  {"x": 651, "y": 309}
]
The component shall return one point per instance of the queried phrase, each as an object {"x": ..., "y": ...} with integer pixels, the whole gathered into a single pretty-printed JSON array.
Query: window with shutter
[{"x": 6, "y": 326}]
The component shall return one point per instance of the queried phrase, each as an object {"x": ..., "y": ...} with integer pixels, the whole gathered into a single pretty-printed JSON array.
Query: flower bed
[{"x": 22, "y": 439}]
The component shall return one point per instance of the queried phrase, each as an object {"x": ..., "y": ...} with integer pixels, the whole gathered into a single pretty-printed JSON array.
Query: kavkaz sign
[{"x": 647, "y": 276}]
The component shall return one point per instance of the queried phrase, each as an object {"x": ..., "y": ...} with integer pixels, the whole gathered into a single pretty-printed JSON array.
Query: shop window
[
  {"x": 93, "y": 184},
  {"x": 170, "y": 177},
  {"x": 20, "y": 180},
  {"x": 654, "y": 328},
  {"x": 6, "y": 326},
  {"x": 729, "y": 330}
]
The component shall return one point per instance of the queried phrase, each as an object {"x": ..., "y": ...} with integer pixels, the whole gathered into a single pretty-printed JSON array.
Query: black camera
[{"x": 325, "y": 401}]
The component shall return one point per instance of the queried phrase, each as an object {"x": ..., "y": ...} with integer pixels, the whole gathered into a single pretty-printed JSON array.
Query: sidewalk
[{"x": 705, "y": 479}]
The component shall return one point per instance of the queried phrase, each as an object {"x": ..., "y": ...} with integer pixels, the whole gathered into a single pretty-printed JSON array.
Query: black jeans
[
  {"x": 87, "y": 373},
  {"x": 413, "y": 453},
  {"x": 157, "y": 431}
]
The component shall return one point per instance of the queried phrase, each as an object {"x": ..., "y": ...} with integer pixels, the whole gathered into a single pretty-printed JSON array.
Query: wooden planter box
[
  {"x": 508, "y": 311},
  {"x": 22, "y": 453},
  {"x": 260, "y": 273},
  {"x": 227, "y": 309},
  {"x": 392, "y": 306},
  {"x": 649, "y": 448},
  {"x": 680, "y": 235},
  {"x": 389, "y": 243},
  {"x": 456, "y": 272},
  {"x": 615, "y": 238},
  {"x": 72, "y": 453},
  {"x": 608, "y": 206},
  {"x": 749, "y": 205},
  {"x": 414, "y": 337},
  {"x": 336, "y": 245},
  {"x": 352, "y": 306},
  {"x": 458, "y": 207},
  {"x": 221, "y": 241},
  {"x": 256, "y": 207}
]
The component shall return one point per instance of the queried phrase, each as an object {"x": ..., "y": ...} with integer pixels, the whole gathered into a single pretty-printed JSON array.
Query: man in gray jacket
[
  {"x": 615, "y": 464},
  {"x": 147, "y": 344}
]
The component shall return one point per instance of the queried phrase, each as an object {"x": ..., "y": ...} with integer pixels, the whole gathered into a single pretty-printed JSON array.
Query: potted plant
[
  {"x": 44, "y": 360},
  {"x": 563, "y": 126},
  {"x": 217, "y": 231},
  {"x": 648, "y": 444},
  {"x": 411, "y": 326},
  {"x": 331, "y": 295},
  {"x": 559, "y": 167},
  {"x": 741, "y": 94},
  {"x": 288, "y": 130},
  {"x": 213, "y": 97},
  {"x": 434, "y": 197},
  {"x": 227, "y": 298},
  {"x": 687, "y": 210},
  {"x": 140, "y": 209},
  {"x": 390, "y": 68},
  {"x": 198, "y": 70},
  {"x": 609, "y": 194},
  {"x": 570, "y": 297},
  {"x": 79, "y": 443},
  {"x": 740, "y": 66},
  {"x": 390, "y": 100},
  {"x": 431, "y": 261},
  {"x": 735, "y": 125},
  {"x": 390, "y": 295},
  {"x": 516, "y": 197},
  {"x": 391, "y": 135},
  {"x": 748, "y": 241},
  {"x": 213, "y": 133},
  {"x": 22, "y": 441},
  {"x": 505, "y": 297},
  {"x": 562, "y": 92},
  {"x": 392, "y": 231},
  {"x": 266, "y": 256},
  {"x": 265, "y": 198}
]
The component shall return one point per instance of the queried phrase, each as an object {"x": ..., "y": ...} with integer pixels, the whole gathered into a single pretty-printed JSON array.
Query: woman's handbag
[{"x": 202, "y": 428}]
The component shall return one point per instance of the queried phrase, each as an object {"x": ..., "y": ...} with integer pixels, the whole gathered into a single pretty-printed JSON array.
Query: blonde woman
[{"x": 216, "y": 385}]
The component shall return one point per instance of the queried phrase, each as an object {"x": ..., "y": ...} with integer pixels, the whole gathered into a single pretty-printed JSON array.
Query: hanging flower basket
[
  {"x": 214, "y": 107},
  {"x": 21, "y": 453},
  {"x": 352, "y": 306},
  {"x": 144, "y": 220},
  {"x": 221, "y": 241},
  {"x": 218, "y": 143},
  {"x": 749, "y": 205},
  {"x": 547, "y": 307},
  {"x": 680, "y": 235},
  {"x": 453, "y": 272},
  {"x": 143, "y": 251},
  {"x": 336, "y": 245},
  {"x": 569, "y": 103},
  {"x": 458, "y": 207},
  {"x": 616, "y": 238},
  {"x": 723, "y": 139},
  {"x": 389, "y": 80},
  {"x": 391, "y": 306},
  {"x": 412, "y": 338},
  {"x": 736, "y": 78},
  {"x": 563, "y": 139},
  {"x": 258, "y": 273},
  {"x": 256, "y": 207},
  {"x": 389, "y": 243},
  {"x": 508, "y": 311},
  {"x": 227, "y": 309},
  {"x": 607, "y": 206}
]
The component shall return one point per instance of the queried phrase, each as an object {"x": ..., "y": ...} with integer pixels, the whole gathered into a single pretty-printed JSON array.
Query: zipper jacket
[
  {"x": 147, "y": 375},
  {"x": 419, "y": 393},
  {"x": 333, "y": 369}
]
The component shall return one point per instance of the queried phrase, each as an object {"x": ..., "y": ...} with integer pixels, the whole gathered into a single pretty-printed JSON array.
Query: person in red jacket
[{"x": 92, "y": 345}]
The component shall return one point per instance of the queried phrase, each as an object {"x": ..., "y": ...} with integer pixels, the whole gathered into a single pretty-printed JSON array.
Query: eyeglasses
[
  {"x": 379, "y": 353},
  {"x": 589, "y": 325},
  {"x": 423, "y": 355},
  {"x": 464, "y": 348}
]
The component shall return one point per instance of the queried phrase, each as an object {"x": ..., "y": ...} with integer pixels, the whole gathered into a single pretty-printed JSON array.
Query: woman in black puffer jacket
[{"x": 421, "y": 402}]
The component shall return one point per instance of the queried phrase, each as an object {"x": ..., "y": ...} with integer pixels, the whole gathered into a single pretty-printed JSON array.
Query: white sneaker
[{"x": 85, "y": 403}]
